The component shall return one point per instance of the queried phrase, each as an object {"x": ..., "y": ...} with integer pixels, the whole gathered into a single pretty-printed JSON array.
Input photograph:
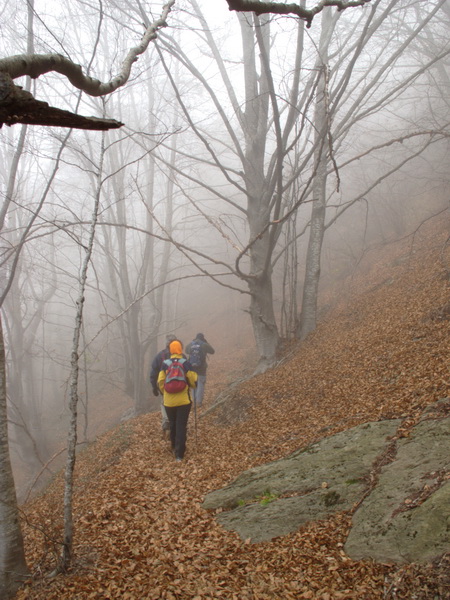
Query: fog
[{"x": 207, "y": 194}]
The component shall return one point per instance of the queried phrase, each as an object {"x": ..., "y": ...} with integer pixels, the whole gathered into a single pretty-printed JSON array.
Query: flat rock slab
[
  {"x": 405, "y": 518},
  {"x": 319, "y": 480}
]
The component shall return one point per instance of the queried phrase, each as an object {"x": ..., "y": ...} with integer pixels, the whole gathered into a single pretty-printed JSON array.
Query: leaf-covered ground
[{"x": 382, "y": 350}]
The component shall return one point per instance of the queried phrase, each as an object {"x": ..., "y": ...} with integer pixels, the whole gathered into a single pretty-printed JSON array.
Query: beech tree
[
  {"x": 272, "y": 138},
  {"x": 337, "y": 115},
  {"x": 260, "y": 183},
  {"x": 261, "y": 133}
]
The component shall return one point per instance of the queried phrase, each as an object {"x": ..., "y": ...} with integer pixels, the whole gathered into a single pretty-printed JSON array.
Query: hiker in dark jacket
[
  {"x": 154, "y": 372},
  {"x": 177, "y": 404},
  {"x": 197, "y": 351}
]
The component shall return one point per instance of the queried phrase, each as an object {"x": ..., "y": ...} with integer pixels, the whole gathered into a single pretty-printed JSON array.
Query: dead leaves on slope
[{"x": 141, "y": 533}]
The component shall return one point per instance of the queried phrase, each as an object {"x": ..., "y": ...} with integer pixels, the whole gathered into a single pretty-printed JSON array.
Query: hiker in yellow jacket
[{"x": 174, "y": 380}]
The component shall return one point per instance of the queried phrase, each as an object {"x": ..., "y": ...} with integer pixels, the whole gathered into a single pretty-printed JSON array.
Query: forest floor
[{"x": 381, "y": 351}]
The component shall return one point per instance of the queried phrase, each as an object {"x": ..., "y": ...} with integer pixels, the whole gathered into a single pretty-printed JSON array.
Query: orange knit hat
[{"x": 175, "y": 347}]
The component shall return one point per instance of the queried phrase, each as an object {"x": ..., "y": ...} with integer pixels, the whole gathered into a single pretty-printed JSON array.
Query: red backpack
[{"x": 175, "y": 380}]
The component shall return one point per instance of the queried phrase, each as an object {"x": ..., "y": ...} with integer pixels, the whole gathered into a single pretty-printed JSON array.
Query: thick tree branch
[
  {"x": 292, "y": 8},
  {"x": 19, "y": 106},
  {"x": 36, "y": 65}
]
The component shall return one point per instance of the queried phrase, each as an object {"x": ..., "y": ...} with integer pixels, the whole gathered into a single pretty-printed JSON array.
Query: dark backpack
[
  {"x": 196, "y": 355},
  {"x": 175, "y": 380}
]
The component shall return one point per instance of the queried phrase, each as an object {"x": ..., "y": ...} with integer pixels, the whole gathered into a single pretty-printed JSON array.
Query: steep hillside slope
[{"x": 381, "y": 351}]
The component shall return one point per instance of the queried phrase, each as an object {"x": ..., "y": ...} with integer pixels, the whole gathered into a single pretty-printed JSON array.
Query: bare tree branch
[
  {"x": 19, "y": 106},
  {"x": 38, "y": 64},
  {"x": 292, "y": 8}
]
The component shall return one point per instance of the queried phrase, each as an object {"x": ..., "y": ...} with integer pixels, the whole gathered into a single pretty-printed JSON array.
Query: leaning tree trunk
[
  {"x": 13, "y": 568},
  {"x": 74, "y": 376}
]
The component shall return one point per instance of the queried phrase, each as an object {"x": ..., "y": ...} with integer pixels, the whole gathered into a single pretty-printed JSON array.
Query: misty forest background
[{"x": 259, "y": 160}]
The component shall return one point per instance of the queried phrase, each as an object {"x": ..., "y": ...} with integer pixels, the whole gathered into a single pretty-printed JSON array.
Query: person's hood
[{"x": 175, "y": 347}]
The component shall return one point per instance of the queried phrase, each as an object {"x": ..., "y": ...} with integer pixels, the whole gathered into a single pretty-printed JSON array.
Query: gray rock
[
  {"x": 261, "y": 522},
  {"x": 319, "y": 480},
  {"x": 405, "y": 518}
]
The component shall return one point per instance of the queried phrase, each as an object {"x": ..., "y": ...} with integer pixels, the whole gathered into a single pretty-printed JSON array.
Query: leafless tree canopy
[{"x": 17, "y": 106}]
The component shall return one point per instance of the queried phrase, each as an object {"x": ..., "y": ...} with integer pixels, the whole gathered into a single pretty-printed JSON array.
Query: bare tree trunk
[
  {"x": 13, "y": 568},
  {"x": 308, "y": 318},
  {"x": 260, "y": 189},
  {"x": 263, "y": 320},
  {"x": 289, "y": 310},
  {"x": 73, "y": 390}
]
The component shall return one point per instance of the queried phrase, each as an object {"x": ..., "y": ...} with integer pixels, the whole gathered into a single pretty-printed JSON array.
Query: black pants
[{"x": 178, "y": 418}]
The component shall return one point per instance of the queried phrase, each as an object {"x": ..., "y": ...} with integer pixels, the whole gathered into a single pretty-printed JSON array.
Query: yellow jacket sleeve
[
  {"x": 161, "y": 377},
  {"x": 191, "y": 377}
]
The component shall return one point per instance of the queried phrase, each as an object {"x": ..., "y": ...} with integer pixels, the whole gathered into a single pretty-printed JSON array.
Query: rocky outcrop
[
  {"x": 399, "y": 486},
  {"x": 406, "y": 517}
]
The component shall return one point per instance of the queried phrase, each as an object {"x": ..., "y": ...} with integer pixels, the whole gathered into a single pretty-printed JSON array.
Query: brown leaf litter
[{"x": 140, "y": 532}]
